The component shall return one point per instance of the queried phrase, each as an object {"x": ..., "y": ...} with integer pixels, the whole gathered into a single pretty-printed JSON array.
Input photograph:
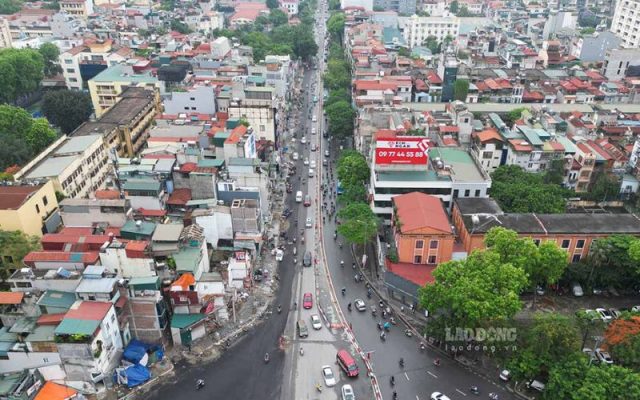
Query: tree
[
  {"x": 513, "y": 115},
  {"x": 338, "y": 75},
  {"x": 340, "y": 115},
  {"x": 474, "y": 291},
  {"x": 353, "y": 194},
  {"x": 67, "y": 109},
  {"x": 358, "y": 223},
  {"x": 352, "y": 169},
  {"x": 10, "y": 6},
  {"x": 454, "y": 7},
  {"x": 519, "y": 191},
  {"x": 623, "y": 339},
  {"x": 180, "y": 27},
  {"x": 50, "y": 54},
  {"x": 335, "y": 26},
  {"x": 404, "y": 52},
  {"x": 555, "y": 173},
  {"x": 15, "y": 246},
  {"x": 605, "y": 187},
  {"x": 277, "y": 17},
  {"x": 431, "y": 42},
  {"x": 461, "y": 89},
  {"x": 464, "y": 12},
  {"x": 273, "y": 4},
  {"x": 338, "y": 95},
  {"x": 611, "y": 262},
  {"x": 21, "y": 71},
  {"x": 22, "y": 137}
]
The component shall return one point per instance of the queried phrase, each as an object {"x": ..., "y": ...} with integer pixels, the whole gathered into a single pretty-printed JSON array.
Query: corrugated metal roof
[
  {"x": 182, "y": 321},
  {"x": 72, "y": 326}
]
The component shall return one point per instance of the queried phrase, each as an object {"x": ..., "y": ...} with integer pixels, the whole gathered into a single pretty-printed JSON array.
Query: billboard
[{"x": 412, "y": 150}]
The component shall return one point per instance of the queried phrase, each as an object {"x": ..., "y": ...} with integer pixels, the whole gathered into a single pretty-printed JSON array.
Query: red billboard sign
[{"x": 411, "y": 150}]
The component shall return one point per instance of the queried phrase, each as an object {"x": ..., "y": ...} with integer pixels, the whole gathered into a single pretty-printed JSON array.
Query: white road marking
[
  {"x": 432, "y": 374},
  {"x": 417, "y": 398},
  {"x": 406, "y": 376},
  {"x": 461, "y": 392}
]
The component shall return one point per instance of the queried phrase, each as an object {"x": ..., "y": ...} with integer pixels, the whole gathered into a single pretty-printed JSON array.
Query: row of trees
[{"x": 22, "y": 70}]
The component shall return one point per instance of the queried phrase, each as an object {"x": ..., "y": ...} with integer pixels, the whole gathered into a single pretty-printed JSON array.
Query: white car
[
  {"x": 347, "y": 393},
  {"x": 604, "y": 314},
  {"x": 603, "y": 356},
  {"x": 635, "y": 308},
  {"x": 295, "y": 156},
  {"x": 313, "y": 131},
  {"x": 439, "y": 396},
  {"x": 312, "y": 164},
  {"x": 308, "y": 223},
  {"x": 315, "y": 322},
  {"x": 505, "y": 375},
  {"x": 303, "y": 140},
  {"x": 329, "y": 377},
  {"x": 326, "y": 153},
  {"x": 359, "y": 304},
  {"x": 306, "y": 161},
  {"x": 313, "y": 147}
]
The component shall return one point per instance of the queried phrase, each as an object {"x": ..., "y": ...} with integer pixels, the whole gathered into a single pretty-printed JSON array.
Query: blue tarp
[
  {"x": 135, "y": 351},
  {"x": 133, "y": 375}
]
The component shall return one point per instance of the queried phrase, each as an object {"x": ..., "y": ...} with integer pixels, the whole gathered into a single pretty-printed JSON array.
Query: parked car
[
  {"x": 576, "y": 289},
  {"x": 329, "y": 377},
  {"x": 347, "y": 393},
  {"x": 326, "y": 153},
  {"x": 303, "y": 140},
  {"x": 316, "y": 323},
  {"x": 305, "y": 162},
  {"x": 635, "y": 309},
  {"x": 539, "y": 290},
  {"x": 307, "y": 301},
  {"x": 313, "y": 147},
  {"x": 359, "y": 304},
  {"x": 439, "y": 396},
  {"x": 605, "y": 315},
  {"x": 505, "y": 375},
  {"x": 535, "y": 385},
  {"x": 603, "y": 356}
]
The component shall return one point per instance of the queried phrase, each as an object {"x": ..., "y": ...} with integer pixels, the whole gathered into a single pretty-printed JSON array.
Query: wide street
[{"x": 241, "y": 372}]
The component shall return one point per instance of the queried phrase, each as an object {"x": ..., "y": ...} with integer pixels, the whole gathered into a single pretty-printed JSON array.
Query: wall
[
  {"x": 116, "y": 261},
  {"x": 146, "y": 202},
  {"x": 200, "y": 99},
  {"x": 87, "y": 216},
  {"x": 19, "y": 360},
  {"x": 145, "y": 324},
  {"x": 406, "y": 245},
  {"x": 216, "y": 226},
  {"x": 27, "y": 218}
]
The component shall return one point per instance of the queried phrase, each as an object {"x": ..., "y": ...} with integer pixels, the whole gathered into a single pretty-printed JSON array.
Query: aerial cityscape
[{"x": 319, "y": 199}]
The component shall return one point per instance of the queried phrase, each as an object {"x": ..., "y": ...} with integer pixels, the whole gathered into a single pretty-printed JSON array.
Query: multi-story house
[
  {"x": 489, "y": 149},
  {"x": 77, "y": 8},
  {"x": 28, "y": 208},
  {"x": 82, "y": 63},
  {"x": 92, "y": 212},
  {"x": 418, "y": 29},
  {"x": 626, "y": 21}
]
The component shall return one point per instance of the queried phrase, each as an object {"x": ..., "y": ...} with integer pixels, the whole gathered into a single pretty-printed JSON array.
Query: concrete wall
[
  {"x": 116, "y": 261},
  {"x": 200, "y": 99},
  {"x": 19, "y": 360},
  {"x": 216, "y": 226}
]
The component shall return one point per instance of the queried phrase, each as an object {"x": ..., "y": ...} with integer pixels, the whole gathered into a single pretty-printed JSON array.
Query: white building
[
  {"x": 88, "y": 212},
  {"x": 290, "y": 5},
  {"x": 435, "y": 8},
  {"x": 626, "y": 22},
  {"x": 418, "y": 29},
  {"x": 93, "y": 57},
  {"x": 197, "y": 99},
  {"x": 126, "y": 260},
  {"x": 239, "y": 269},
  {"x": 216, "y": 223},
  {"x": 366, "y": 4}
]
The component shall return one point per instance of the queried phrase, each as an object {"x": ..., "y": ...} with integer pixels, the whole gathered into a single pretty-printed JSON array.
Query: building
[
  {"x": 407, "y": 7},
  {"x": 146, "y": 193},
  {"x": 77, "y": 8},
  {"x": 488, "y": 147},
  {"x": 28, "y": 208},
  {"x": 448, "y": 72},
  {"x": 594, "y": 47},
  {"x": 89, "y": 341},
  {"x": 626, "y": 21},
  {"x": 126, "y": 125},
  {"x": 93, "y": 212},
  {"x": 417, "y": 29},
  {"x": 366, "y": 4},
  {"x": 77, "y": 166},
  {"x": 558, "y": 20},
  {"x": 290, "y": 5},
  {"x": 573, "y": 233},
  {"x": 110, "y": 83},
  {"x": 246, "y": 13},
  {"x": 421, "y": 229},
  {"x": 193, "y": 100},
  {"x": 256, "y": 105},
  {"x": 148, "y": 311},
  {"x": 5, "y": 33},
  {"x": 82, "y": 63},
  {"x": 127, "y": 260},
  {"x": 617, "y": 62}
]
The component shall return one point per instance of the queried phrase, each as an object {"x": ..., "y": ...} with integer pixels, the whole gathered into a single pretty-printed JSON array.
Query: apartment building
[
  {"x": 92, "y": 212},
  {"x": 417, "y": 29},
  {"x": 27, "y": 208},
  {"x": 617, "y": 62},
  {"x": 76, "y": 166},
  {"x": 626, "y": 21},
  {"x": 82, "y": 63},
  {"x": 77, "y": 8},
  {"x": 199, "y": 99},
  {"x": 108, "y": 85}
]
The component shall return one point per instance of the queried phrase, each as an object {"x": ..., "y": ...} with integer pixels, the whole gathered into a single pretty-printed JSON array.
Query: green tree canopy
[
  {"x": 432, "y": 43},
  {"x": 277, "y": 17},
  {"x": 335, "y": 26},
  {"x": 16, "y": 245},
  {"x": 20, "y": 73},
  {"x": 50, "y": 54},
  {"x": 513, "y": 115},
  {"x": 10, "y": 6},
  {"x": 461, "y": 89},
  {"x": 611, "y": 262},
  {"x": 273, "y": 4},
  {"x": 605, "y": 188},
  {"x": 180, "y": 26},
  {"x": 67, "y": 109},
  {"x": 352, "y": 169},
  {"x": 474, "y": 291},
  {"x": 358, "y": 223},
  {"x": 338, "y": 74},
  {"x": 340, "y": 115},
  {"x": 454, "y": 6},
  {"x": 338, "y": 95},
  {"x": 22, "y": 136},
  {"x": 519, "y": 191}
]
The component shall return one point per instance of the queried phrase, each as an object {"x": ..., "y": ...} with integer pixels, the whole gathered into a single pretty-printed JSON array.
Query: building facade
[
  {"x": 418, "y": 29},
  {"x": 626, "y": 21},
  {"x": 26, "y": 208}
]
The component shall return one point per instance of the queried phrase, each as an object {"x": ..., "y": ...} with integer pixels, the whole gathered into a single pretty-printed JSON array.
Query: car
[
  {"x": 505, "y": 375},
  {"x": 347, "y": 393},
  {"x": 604, "y": 357},
  {"x": 597, "y": 291},
  {"x": 303, "y": 140},
  {"x": 535, "y": 385},
  {"x": 307, "y": 301},
  {"x": 605, "y": 315},
  {"x": 311, "y": 172},
  {"x": 360, "y": 305},
  {"x": 539, "y": 290},
  {"x": 635, "y": 309},
  {"x": 439, "y": 396},
  {"x": 308, "y": 223},
  {"x": 615, "y": 313},
  {"x": 589, "y": 353},
  {"x": 313, "y": 131},
  {"x": 295, "y": 156},
  {"x": 306, "y": 261},
  {"x": 326, "y": 153},
  {"x": 576, "y": 289},
  {"x": 313, "y": 147},
  {"x": 312, "y": 164},
  {"x": 307, "y": 201},
  {"x": 306, "y": 161},
  {"x": 324, "y": 161},
  {"x": 329, "y": 377},
  {"x": 316, "y": 323}
]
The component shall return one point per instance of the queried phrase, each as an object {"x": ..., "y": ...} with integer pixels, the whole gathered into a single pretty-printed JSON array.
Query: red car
[{"x": 307, "y": 301}]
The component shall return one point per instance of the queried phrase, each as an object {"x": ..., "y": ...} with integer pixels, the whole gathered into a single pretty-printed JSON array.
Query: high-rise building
[{"x": 626, "y": 21}]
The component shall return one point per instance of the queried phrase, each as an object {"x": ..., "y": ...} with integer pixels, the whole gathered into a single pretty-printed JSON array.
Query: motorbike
[
  {"x": 474, "y": 390},
  {"x": 401, "y": 363},
  {"x": 349, "y": 307},
  {"x": 279, "y": 309},
  {"x": 199, "y": 384},
  {"x": 392, "y": 381},
  {"x": 436, "y": 362},
  {"x": 380, "y": 326},
  {"x": 295, "y": 251},
  {"x": 493, "y": 396},
  {"x": 383, "y": 336},
  {"x": 301, "y": 351},
  {"x": 408, "y": 332},
  {"x": 318, "y": 387},
  {"x": 387, "y": 326},
  {"x": 266, "y": 358},
  {"x": 393, "y": 321},
  {"x": 369, "y": 294},
  {"x": 344, "y": 291}
]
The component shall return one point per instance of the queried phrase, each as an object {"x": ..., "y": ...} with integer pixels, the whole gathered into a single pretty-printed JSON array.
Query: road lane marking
[
  {"x": 406, "y": 376},
  {"x": 432, "y": 374},
  {"x": 461, "y": 392},
  {"x": 417, "y": 398}
]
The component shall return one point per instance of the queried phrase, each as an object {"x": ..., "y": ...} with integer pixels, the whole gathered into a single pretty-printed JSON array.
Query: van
[
  {"x": 299, "y": 196},
  {"x": 347, "y": 363},
  {"x": 306, "y": 261},
  {"x": 536, "y": 385},
  {"x": 303, "y": 331}
]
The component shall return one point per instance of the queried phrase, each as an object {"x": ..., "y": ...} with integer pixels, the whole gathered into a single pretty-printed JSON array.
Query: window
[
  {"x": 417, "y": 259},
  {"x": 192, "y": 98},
  {"x": 68, "y": 61},
  {"x": 71, "y": 70},
  {"x": 38, "y": 209},
  {"x": 467, "y": 193},
  {"x": 580, "y": 244},
  {"x": 73, "y": 80},
  {"x": 433, "y": 244},
  {"x": 487, "y": 154},
  {"x": 477, "y": 192},
  {"x": 455, "y": 194},
  {"x": 432, "y": 260},
  {"x": 566, "y": 243},
  {"x": 419, "y": 244},
  {"x": 537, "y": 242},
  {"x": 45, "y": 360},
  {"x": 44, "y": 200},
  {"x": 576, "y": 258},
  {"x": 92, "y": 297}
]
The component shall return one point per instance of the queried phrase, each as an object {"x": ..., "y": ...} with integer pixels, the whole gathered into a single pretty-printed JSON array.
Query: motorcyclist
[
  {"x": 266, "y": 357},
  {"x": 436, "y": 362},
  {"x": 342, "y": 263},
  {"x": 392, "y": 381},
  {"x": 279, "y": 308},
  {"x": 349, "y": 306},
  {"x": 401, "y": 362},
  {"x": 199, "y": 383},
  {"x": 474, "y": 390},
  {"x": 343, "y": 290}
]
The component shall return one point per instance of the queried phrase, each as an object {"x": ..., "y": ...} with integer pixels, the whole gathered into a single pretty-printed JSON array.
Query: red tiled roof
[
  {"x": 520, "y": 145},
  {"x": 151, "y": 213},
  {"x": 375, "y": 85},
  {"x": 432, "y": 77},
  {"x": 487, "y": 135},
  {"x": 449, "y": 141},
  {"x": 188, "y": 167},
  {"x": 236, "y": 134},
  {"x": 449, "y": 129},
  {"x": 136, "y": 245},
  {"x": 11, "y": 297},
  {"x": 50, "y": 319},
  {"x": 527, "y": 95},
  {"x": 106, "y": 194},
  {"x": 76, "y": 230},
  {"x": 86, "y": 258},
  {"x": 417, "y": 210},
  {"x": 13, "y": 197},
  {"x": 90, "y": 311},
  {"x": 179, "y": 197},
  {"x": 419, "y": 274},
  {"x": 556, "y": 146}
]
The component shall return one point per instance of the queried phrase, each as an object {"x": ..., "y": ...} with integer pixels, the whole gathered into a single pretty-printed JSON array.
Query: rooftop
[
  {"x": 96, "y": 285},
  {"x": 167, "y": 233},
  {"x": 187, "y": 259},
  {"x": 62, "y": 157},
  {"x": 463, "y": 168},
  {"x": 143, "y": 228},
  {"x": 418, "y": 210},
  {"x": 55, "y": 298},
  {"x": 13, "y": 197},
  {"x": 122, "y": 73},
  {"x": 182, "y": 321}
]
